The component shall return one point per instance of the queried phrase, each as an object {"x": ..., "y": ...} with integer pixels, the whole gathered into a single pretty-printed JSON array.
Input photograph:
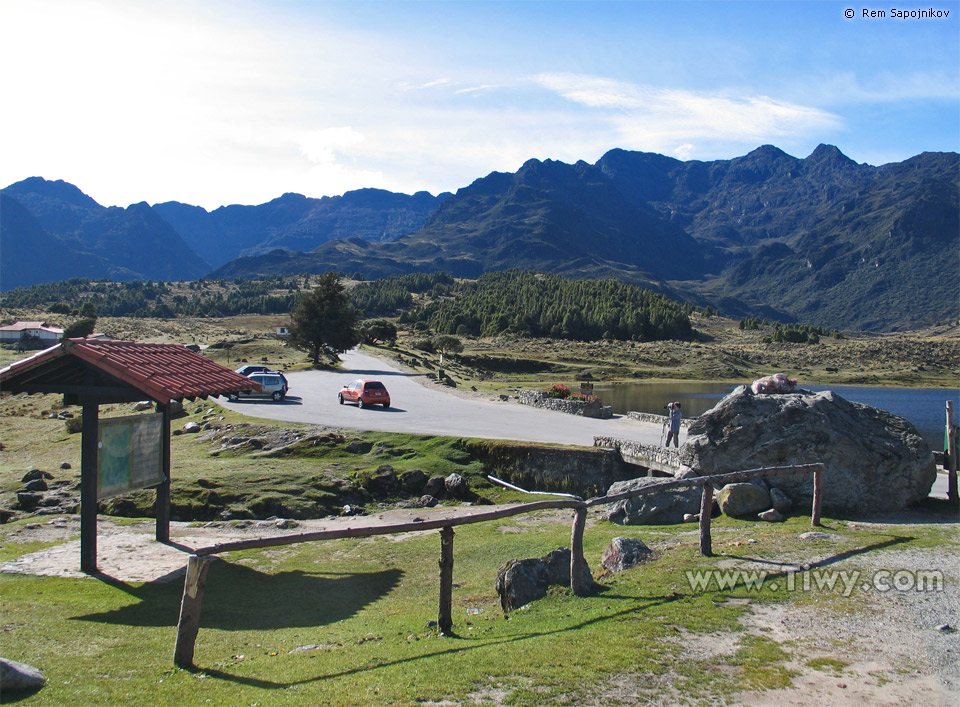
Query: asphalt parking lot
[{"x": 424, "y": 407}]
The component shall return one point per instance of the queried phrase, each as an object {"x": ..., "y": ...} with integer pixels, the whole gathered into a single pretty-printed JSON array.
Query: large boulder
[
  {"x": 520, "y": 582},
  {"x": 662, "y": 508},
  {"x": 19, "y": 677},
  {"x": 623, "y": 553},
  {"x": 873, "y": 460},
  {"x": 743, "y": 499}
]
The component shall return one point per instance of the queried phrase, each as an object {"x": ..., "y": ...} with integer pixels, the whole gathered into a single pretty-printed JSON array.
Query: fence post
[
  {"x": 444, "y": 618},
  {"x": 951, "y": 450},
  {"x": 817, "y": 497},
  {"x": 189, "y": 624},
  {"x": 706, "y": 510},
  {"x": 578, "y": 584}
]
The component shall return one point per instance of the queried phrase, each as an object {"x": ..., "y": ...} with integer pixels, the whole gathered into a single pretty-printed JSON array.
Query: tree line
[
  {"x": 136, "y": 298},
  {"x": 528, "y": 304}
]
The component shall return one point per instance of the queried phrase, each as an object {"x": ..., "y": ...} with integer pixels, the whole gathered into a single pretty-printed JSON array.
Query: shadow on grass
[
  {"x": 826, "y": 562},
  {"x": 238, "y": 598},
  {"x": 460, "y": 644}
]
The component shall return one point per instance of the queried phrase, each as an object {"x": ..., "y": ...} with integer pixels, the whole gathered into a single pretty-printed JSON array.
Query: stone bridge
[{"x": 662, "y": 459}]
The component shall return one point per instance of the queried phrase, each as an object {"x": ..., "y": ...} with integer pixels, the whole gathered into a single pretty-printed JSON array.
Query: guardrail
[{"x": 198, "y": 563}]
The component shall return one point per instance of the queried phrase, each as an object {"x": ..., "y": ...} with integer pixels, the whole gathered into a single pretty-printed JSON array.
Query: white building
[{"x": 24, "y": 331}]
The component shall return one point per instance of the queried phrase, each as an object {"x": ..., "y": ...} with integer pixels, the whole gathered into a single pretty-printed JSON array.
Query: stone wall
[
  {"x": 539, "y": 399},
  {"x": 584, "y": 472},
  {"x": 639, "y": 452},
  {"x": 657, "y": 419}
]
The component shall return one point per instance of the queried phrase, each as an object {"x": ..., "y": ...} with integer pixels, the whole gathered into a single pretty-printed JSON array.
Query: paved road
[{"x": 423, "y": 407}]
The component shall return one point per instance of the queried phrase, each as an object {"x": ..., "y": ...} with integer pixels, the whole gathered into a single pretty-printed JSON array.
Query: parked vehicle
[
  {"x": 252, "y": 368},
  {"x": 365, "y": 391},
  {"x": 273, "y": 384}
]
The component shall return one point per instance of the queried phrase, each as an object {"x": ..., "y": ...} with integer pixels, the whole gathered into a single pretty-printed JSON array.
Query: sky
[{"x": 216, "y": 102}]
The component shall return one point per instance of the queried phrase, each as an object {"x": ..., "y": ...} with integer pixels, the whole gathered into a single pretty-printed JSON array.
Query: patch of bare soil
[{"x": 129, "y": 552}]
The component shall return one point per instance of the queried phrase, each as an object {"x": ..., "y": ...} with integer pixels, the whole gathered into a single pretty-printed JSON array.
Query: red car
[{"x": 365, "y": 391}]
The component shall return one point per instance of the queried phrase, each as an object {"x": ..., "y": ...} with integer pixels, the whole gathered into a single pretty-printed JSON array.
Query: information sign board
[{"x": 128, "y": 454}]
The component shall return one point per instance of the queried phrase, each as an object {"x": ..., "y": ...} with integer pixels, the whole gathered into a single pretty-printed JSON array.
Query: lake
[{"x": 924, "y": 407}]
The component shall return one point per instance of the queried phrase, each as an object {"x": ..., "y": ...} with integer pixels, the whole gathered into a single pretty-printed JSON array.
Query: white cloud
[
  {"x": 657, "y": 118},
  {"x": 322, "y": 146}
]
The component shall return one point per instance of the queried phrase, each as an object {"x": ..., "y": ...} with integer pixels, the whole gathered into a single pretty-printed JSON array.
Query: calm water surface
[{"x": 924, "y": 407}]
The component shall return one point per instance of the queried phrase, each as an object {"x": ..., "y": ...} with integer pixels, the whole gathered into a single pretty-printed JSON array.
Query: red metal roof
[{"x": 162, "y": 372}]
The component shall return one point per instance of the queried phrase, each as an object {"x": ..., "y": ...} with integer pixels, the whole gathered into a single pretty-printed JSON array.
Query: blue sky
[{"x": 215, "y": 102}]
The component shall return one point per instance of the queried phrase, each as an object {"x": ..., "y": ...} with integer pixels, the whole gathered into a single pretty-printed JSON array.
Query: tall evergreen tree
[{"x": 323, "y": 320}]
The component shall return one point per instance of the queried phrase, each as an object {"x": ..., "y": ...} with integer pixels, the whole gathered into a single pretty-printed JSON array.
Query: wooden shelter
[{"x": 91, "y": 373}]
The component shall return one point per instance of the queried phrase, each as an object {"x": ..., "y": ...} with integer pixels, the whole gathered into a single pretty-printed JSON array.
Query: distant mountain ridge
[
  {"x": 175, "y": 241},
  {"x": 820, "y": 239}
]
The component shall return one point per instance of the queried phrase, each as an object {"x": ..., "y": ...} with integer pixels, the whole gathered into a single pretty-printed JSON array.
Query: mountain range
[{"x": 821, "y": 239}]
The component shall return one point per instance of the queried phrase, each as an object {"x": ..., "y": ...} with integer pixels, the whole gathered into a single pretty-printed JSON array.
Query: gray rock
[
  {"x": 691, "y": 517},
  {"x": 35, "y": 474},
  {"x": 413, "y": 481},
  {"x": 772, "y": 516},
  {"x": 27, "y": 500},
  {"x": 143, "y": 405},
  {"x": 427, "y": 501},
  {"x": 663, "y": 508},
  {"x": 191, "y": 427},
  {"x": 382, "y": 482},
  {"x": 457, "y": 486},
  {"x": 817, "y": 535},
  {"x": 36, "y": 485},
  {"x": 780, "y": 500},
  {"x": 623, "y": 553},
  {"x": 65, "y": 465},
  {"x": 520, "y": 582},
  {"x": 435, "y": 487},
  {"x": 19, "y": 677},
  {"x": 743, "y": 499},
  {"x": 874, "y": 461}
]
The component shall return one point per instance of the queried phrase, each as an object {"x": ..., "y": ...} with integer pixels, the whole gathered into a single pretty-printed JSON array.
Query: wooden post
[
  {"x": 162, "y": 504},
  {"x": 817, "y": 497},
  {"x": 88, "y": 487},
  {"x": 444, "y": 616},
  {"x": 951, "y": 451},
  {"x": 706, "y": 510},
  {"x": 578, "y": 583},
  {"x": 189, "y": 624}
]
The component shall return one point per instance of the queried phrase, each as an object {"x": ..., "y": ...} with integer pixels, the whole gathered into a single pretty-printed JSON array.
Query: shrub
[
  {"x": 558, "y": 390},
  {"x": 584, "y": 398}
]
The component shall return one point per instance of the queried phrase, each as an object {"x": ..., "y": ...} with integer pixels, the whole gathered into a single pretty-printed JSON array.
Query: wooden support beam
[
  {"x": 88, "y": 488},
  {"x": 162, "y": 504},
  {"x": 188, "y": 626},
  {"x": 444, "y": 612},
  {"x": 369, "y": 531},
  {"x": 817, "y": 497},
  {"x": 951, "y": 450},
  {"x": 706, "y": 510},
  {"x": 578, "y": 584},
  {"x": 716, "y": 480}
]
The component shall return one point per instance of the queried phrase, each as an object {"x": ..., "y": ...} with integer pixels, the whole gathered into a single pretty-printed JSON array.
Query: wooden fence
[{"x": 197, "y": 564}]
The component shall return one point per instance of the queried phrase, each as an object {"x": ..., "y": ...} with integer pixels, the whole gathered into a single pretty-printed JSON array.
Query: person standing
[{"x": 676, "y": 414}]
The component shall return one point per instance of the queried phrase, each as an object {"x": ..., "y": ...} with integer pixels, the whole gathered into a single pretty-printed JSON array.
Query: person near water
[{"x": 675, "y": 416}]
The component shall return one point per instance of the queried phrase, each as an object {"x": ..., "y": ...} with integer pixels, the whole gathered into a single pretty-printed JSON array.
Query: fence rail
[{"x": 198, "y": 563}]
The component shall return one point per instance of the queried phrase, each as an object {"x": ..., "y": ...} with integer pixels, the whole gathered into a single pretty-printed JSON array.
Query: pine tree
[{"x": 323, "y": 320}]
